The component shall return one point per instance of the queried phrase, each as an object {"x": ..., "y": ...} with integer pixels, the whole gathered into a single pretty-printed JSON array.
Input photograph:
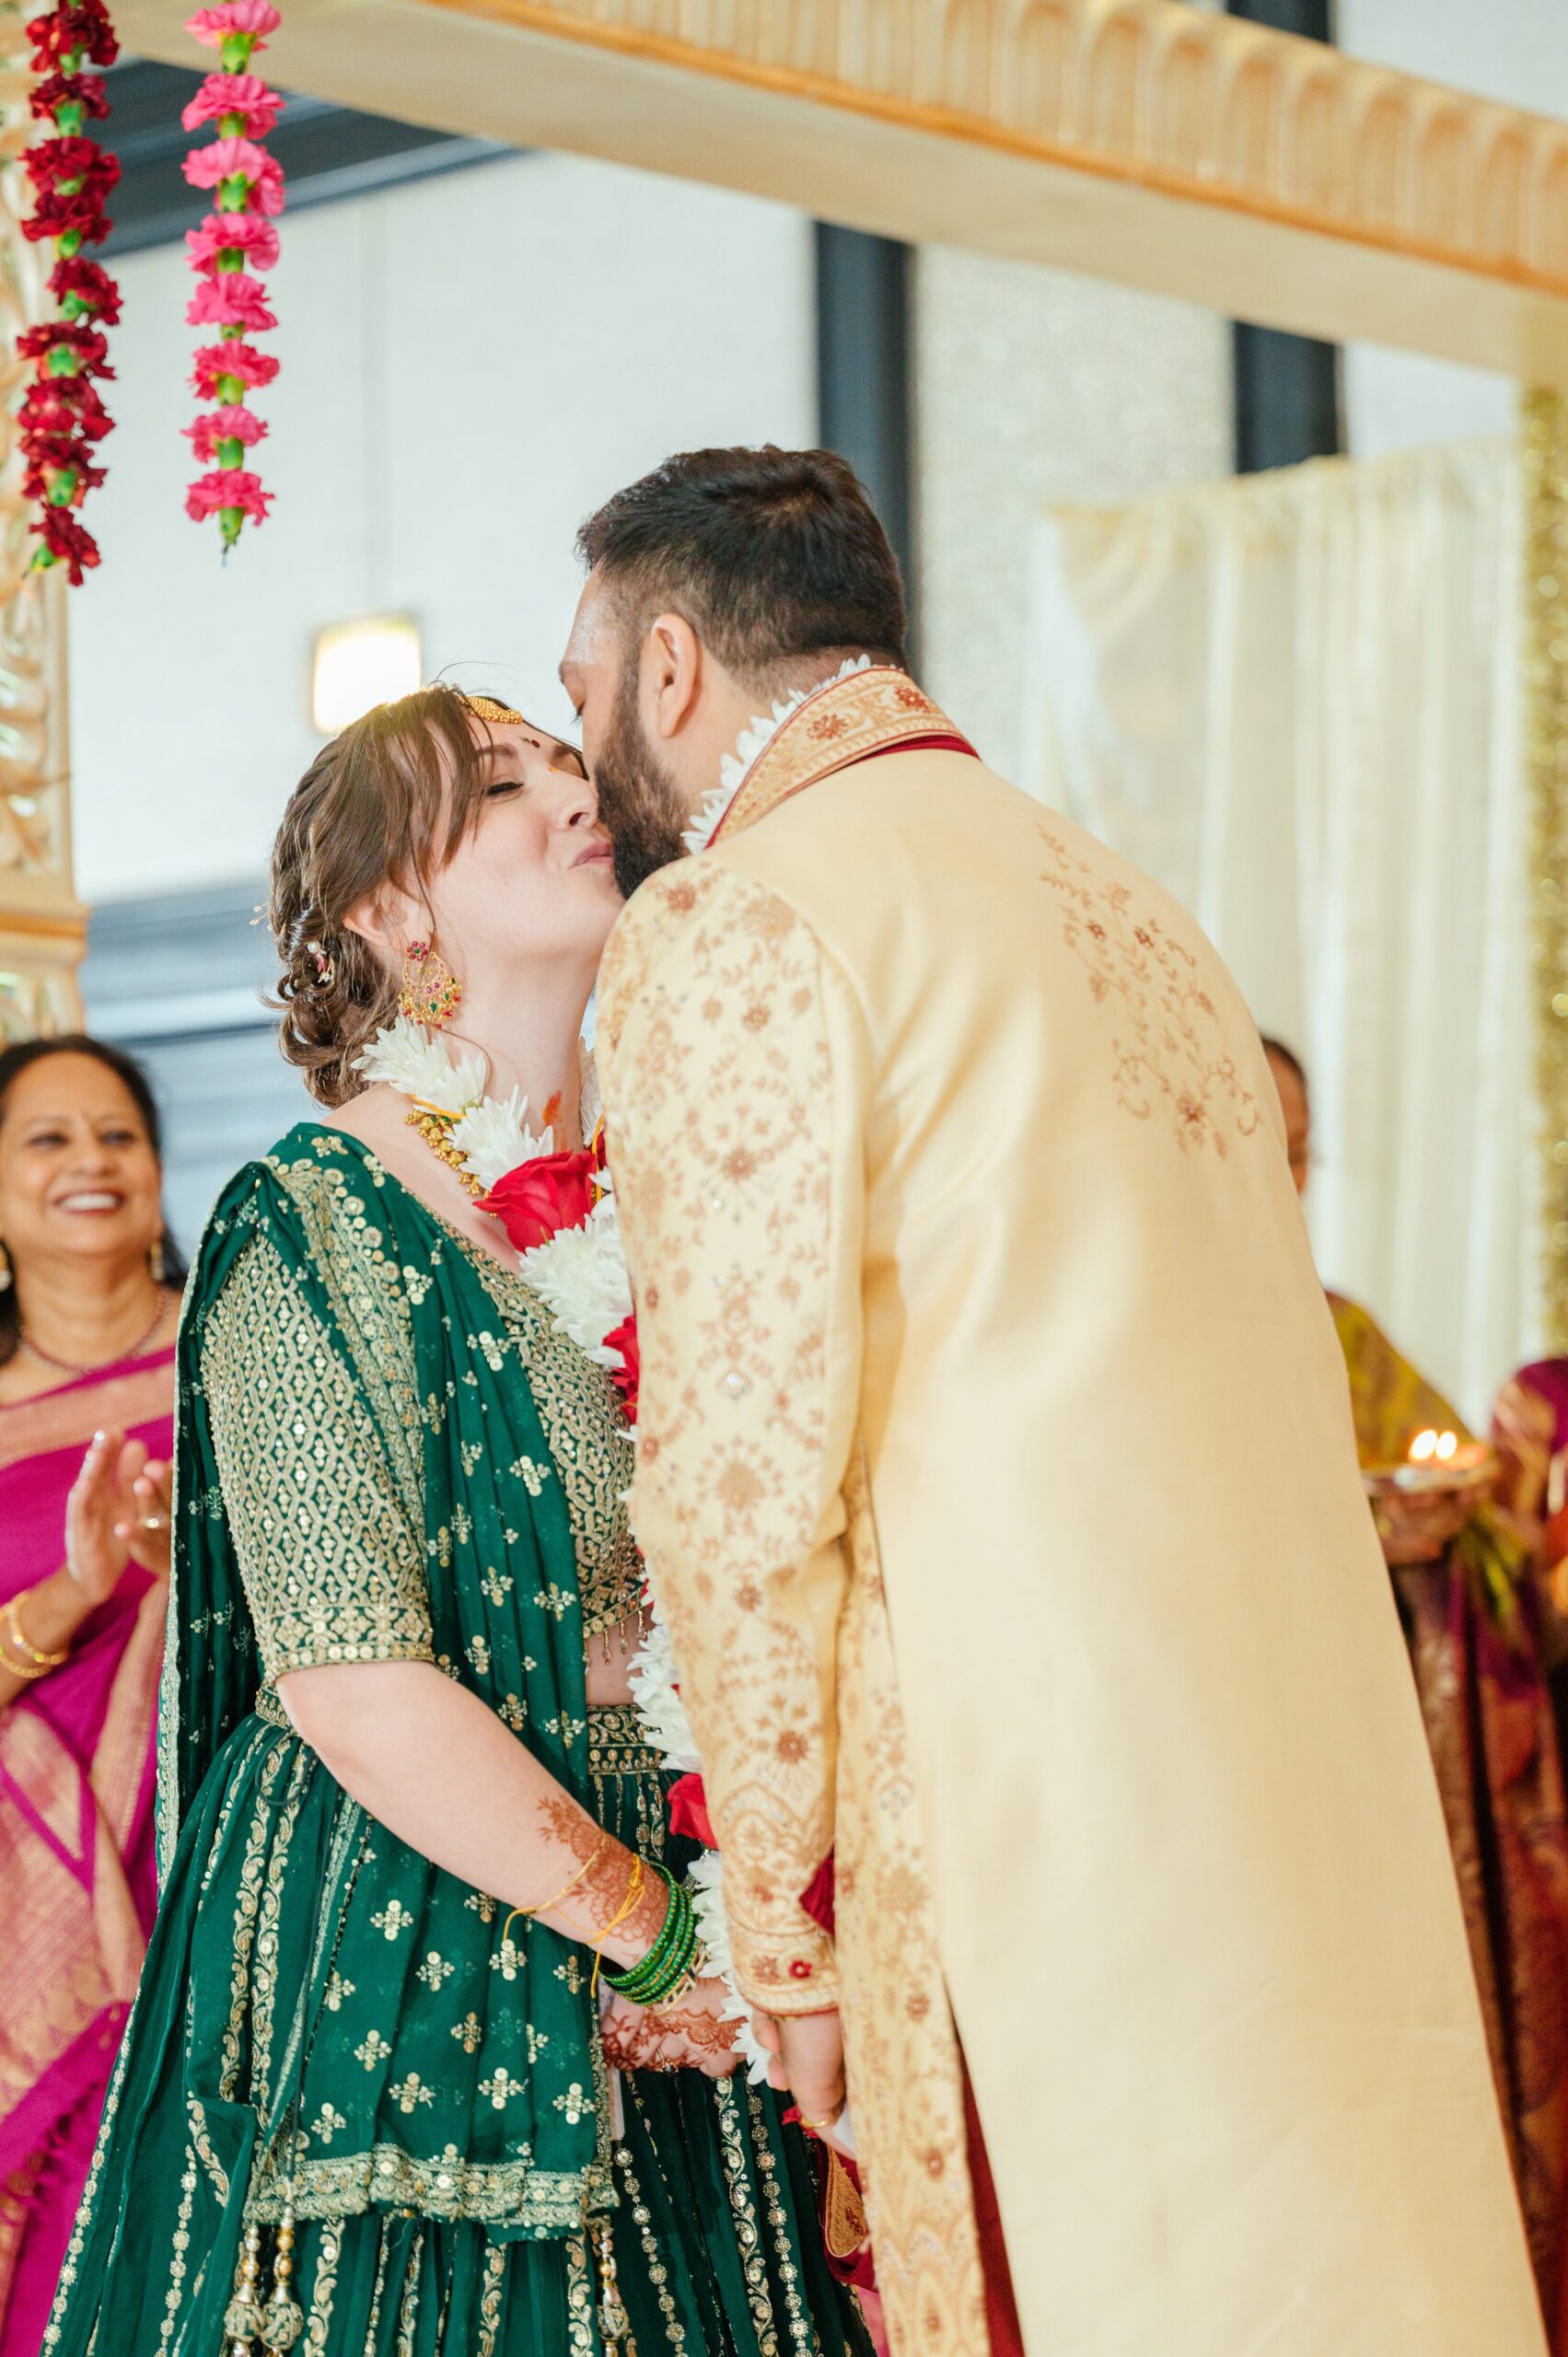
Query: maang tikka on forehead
[{"x": 500, "y": 715}]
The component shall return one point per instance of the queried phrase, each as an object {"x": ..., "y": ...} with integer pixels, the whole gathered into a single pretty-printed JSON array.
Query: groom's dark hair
[{"x": 773, "y": 556}]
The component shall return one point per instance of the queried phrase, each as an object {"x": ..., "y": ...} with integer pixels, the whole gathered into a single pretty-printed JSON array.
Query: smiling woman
[{"x": 87, "y": 1307}]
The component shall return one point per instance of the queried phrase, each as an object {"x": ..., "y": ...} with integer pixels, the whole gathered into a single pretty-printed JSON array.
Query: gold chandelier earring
[
  {"x": 157, "y": 1264},
  {"x": 5, "y": 1267},
  {"x": 431, "y": 992}
]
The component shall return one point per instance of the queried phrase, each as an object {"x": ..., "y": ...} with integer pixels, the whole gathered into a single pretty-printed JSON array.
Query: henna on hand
[
  {"x": 631, "y": 2039},
  {"x": 594, "y": 1902}
]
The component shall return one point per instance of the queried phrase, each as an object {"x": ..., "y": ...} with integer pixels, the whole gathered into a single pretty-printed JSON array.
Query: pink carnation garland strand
[{"x": 233, "y": 245}]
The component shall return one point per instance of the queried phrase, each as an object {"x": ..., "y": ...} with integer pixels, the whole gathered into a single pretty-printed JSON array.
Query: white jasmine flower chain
[{"x": 735, "y": 767}]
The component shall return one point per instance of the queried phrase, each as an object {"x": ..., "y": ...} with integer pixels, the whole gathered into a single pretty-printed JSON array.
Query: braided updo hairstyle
[{"x": 387, "y": 802}]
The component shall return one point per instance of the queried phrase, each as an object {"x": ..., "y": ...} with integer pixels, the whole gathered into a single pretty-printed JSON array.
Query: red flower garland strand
[
  {"x": 233, "y": 245},
  {"x": 62, "y": 418}
]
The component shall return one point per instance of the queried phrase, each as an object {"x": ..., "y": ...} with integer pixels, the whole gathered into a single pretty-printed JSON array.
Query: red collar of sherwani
[{"x": 878, "y": 711}]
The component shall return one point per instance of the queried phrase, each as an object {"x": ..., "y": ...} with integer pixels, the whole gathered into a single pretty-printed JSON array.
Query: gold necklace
[{"x": 436, "y": 1129}]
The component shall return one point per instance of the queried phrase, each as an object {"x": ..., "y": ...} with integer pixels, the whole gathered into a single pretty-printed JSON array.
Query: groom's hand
[{"x": 809, "y": 2063}]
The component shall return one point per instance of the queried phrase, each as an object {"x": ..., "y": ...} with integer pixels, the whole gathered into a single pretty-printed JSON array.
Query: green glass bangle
[
  {"x": 669, "y": 1960},
  {"x": 668, "y": 1951}
]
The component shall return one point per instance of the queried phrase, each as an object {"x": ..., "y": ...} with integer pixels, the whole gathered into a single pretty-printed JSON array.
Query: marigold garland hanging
[
  {"x": 233, "y": 245},
  {"x": 62, "y": 418}
]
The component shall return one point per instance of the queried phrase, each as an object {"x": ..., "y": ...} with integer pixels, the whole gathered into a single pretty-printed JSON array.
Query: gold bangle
[
  {"x": 10, "y": 1615},
  {"x": 22, "y": 1669},
  {"x": 627, "y": 1907},
  {"x": 546, "y": 1904}
]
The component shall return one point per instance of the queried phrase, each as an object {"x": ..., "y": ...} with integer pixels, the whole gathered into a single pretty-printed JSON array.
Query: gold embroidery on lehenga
[
  {"x": 590, "y": 1450},
  {"x": 324, "y": 2287},
  {"x": 642, "y": 2218},
  {"x": 442, "y": 2185},
  {"x": 743, "y": 2213},
  {"x": 803, "y": 2332},
  {"x": 1176, "y": 1054},
  {"x": 247, "y": 1906},
  {"x": 490, "y": 2298},
  {"x": 408, "y": 2314}
]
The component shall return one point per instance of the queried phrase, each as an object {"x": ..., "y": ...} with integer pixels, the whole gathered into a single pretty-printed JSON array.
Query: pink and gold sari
[{"x": 77, "y": 1885}]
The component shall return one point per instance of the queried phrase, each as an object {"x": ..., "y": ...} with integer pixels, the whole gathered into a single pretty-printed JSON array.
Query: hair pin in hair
[{"x": 326, "y": 972}]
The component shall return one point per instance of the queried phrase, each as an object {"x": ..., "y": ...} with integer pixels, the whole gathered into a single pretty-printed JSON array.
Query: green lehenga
[{"x": 389, "y": 1451}]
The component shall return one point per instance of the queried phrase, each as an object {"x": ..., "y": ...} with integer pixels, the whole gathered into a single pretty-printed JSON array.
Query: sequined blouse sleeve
[{"x": 330, "y": 1558}]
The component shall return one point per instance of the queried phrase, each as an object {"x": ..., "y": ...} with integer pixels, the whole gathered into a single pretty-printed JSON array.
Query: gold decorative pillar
[
  {"x": 1544, "y": 450},
  {"x": 43, "y": 924}
]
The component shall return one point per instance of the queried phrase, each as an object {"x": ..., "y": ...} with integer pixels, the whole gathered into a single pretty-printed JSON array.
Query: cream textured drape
[{"x": 1294, "y": 699}]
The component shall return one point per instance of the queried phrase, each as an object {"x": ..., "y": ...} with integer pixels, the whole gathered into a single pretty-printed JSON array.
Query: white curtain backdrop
[{"x": 1294, "y": 699}]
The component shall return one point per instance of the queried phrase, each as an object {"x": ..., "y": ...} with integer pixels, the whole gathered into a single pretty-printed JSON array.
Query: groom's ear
[{"x": 672, "y": 674}]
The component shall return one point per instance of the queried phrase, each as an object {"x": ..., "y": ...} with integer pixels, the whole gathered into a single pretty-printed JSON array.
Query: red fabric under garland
[
  {"x": 235, "y": 243},
  {"x": 62, "y": 418}
]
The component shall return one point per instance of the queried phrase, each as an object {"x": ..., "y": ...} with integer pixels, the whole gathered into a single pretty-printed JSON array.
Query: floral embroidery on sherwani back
[{"x": 1177, "y": 1055}]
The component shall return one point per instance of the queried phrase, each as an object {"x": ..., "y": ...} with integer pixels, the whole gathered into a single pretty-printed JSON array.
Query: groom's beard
[{"x": 638, "y": 799}]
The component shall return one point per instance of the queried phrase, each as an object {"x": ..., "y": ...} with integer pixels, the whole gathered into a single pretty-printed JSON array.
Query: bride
[{"x": 428, "y": 2056}]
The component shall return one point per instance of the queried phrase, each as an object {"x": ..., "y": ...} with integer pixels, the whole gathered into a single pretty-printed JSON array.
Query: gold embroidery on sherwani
[
  {"x": 724, "y": 1176},
  {"x": 1176, "y": 1057},
  {"x": 718, "y": 1069},
  {"x": 869, "y": 712}
]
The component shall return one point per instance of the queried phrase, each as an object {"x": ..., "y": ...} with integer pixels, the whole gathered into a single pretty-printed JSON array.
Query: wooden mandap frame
[{"x": 1270, "y": 178}]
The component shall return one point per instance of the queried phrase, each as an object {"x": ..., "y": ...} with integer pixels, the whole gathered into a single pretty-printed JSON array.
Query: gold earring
[
  {"x": 157, "y": 1264},
  {"x": 5, "y": 1267},
  {"x": 431, "y": 992}
]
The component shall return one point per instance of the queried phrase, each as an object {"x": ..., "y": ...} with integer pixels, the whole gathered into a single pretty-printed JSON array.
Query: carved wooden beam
[
  {"x": 1139, "y": 140},
  {"x": 42, "y": 925}
]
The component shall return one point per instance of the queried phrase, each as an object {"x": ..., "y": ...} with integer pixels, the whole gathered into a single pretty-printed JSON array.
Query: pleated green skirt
[{"x": 713, "y": 2233}]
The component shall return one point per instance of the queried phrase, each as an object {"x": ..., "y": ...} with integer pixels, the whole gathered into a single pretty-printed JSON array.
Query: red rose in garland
[
  {"x": 540, "y": 1198},
  {"x": 63, "y": 417},
  {"x": 627, "y": 1375},
  {"x": 235, "y": 243}
]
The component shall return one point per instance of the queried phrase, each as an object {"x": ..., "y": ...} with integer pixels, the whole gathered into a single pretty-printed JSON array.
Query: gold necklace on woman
[{"x": 64, "y": 1366}]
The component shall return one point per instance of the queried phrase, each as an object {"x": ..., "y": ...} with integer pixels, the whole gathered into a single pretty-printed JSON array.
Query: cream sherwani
[{"x": 996, "y": 1475}]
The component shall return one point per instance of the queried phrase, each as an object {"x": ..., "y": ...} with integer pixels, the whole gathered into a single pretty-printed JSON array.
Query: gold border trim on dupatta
[
  {"x": 1544, "y": 465},
  {"x": 868, "y": 713}
]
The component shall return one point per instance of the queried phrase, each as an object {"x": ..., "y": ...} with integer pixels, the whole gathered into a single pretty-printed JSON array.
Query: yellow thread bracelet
[{"x": 545, "y": 1905}]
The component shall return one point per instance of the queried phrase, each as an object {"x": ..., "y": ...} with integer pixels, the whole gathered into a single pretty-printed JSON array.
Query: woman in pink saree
[{"x": 87, "y": 1311}]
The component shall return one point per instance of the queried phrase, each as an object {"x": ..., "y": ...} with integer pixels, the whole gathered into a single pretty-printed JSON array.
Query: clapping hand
[{"x": 120, "y": 1508}]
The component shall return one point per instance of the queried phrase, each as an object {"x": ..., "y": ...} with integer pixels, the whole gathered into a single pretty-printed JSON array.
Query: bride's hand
[{"x": 692, "y": 2034}]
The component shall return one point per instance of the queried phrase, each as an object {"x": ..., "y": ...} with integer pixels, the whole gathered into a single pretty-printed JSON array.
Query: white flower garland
[
  {"x": 580, "y": 1274},
  {"x": 735, "y": 767}
]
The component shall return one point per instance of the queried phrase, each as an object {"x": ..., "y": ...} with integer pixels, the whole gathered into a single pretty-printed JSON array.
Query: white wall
[
  {"x": 470, "y": 365},
  {"x": 1034, "y": 387},
  {"x": 1515, "y": 51}
]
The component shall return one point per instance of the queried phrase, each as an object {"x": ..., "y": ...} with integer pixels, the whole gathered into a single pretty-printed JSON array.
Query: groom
[{"x": 996, "y": 1476}]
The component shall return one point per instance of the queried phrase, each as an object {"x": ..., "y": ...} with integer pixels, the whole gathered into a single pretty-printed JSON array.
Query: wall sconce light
[{"x": 355, "y": 665}]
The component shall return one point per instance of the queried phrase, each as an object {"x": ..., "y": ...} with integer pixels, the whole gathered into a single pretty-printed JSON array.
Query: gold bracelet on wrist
[
  {"x": 26, "y": 1671},
  {"x": 16, "y": 1635}
]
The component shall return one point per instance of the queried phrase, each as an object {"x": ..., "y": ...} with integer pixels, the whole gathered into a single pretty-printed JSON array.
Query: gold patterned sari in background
[{"x": 1472, "y": 1620}]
